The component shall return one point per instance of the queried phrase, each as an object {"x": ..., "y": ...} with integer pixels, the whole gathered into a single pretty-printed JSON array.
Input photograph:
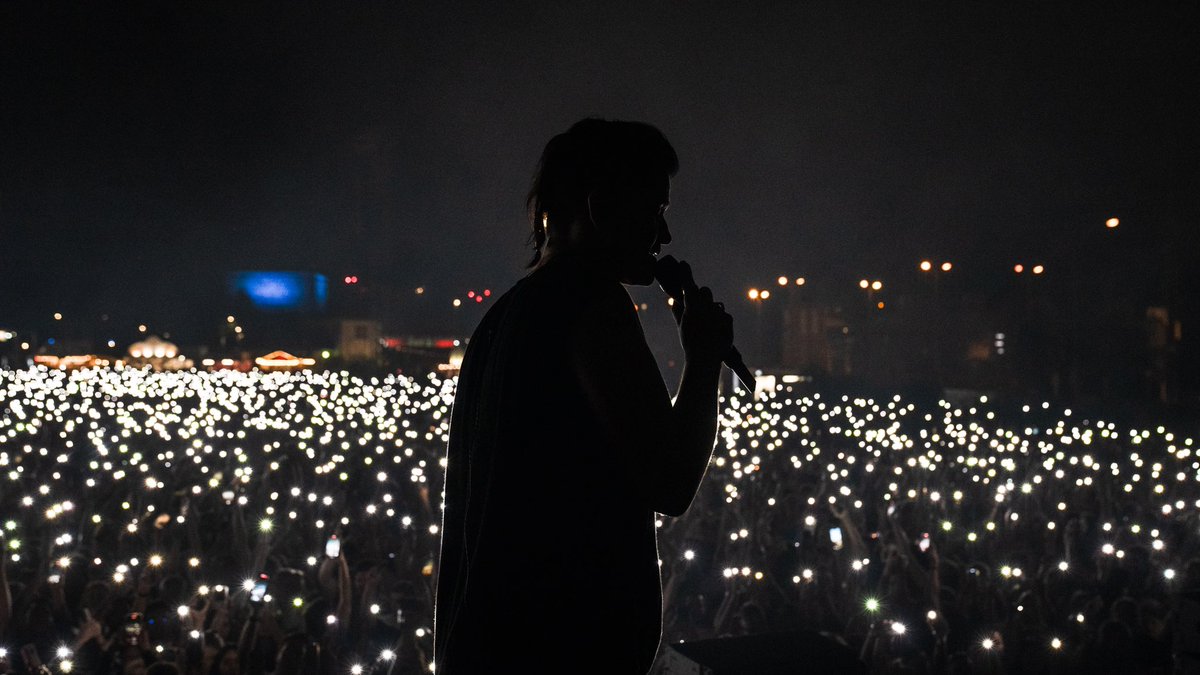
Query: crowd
[{"x": 288, "y": 523}]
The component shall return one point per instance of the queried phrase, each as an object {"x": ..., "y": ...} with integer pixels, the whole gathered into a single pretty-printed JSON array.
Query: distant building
[
  {"x": 281, "y": 360},
  {"x": 1163, "y": 336},
  {"x": 158, "y": 354},
  {"x": 816, "y": 339},
  {"x": 360, "y": 340},
  {"x": 73, "y": 361}
]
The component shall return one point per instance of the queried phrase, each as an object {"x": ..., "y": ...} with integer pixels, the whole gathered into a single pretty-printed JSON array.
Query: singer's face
[{"x": 632, "y": 225}]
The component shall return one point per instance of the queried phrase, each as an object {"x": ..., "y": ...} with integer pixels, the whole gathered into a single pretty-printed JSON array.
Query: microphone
[{"x": 673, "y": 276}]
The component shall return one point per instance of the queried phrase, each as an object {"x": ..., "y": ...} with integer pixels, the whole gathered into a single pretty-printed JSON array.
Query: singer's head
[{"x": 601, "y": 190}]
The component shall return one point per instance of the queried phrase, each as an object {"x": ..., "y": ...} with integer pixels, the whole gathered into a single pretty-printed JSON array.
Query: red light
[
  {"x": 470, "y": 294},
  {"x": 479, "y": 298},
  {"x": 443, "y": 344},
  {"x": 351, "y": 280},
  {"x": 487, "y": 292}
]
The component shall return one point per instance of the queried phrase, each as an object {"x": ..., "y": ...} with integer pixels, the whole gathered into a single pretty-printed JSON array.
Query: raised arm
[{"x": 665, "y": 445}]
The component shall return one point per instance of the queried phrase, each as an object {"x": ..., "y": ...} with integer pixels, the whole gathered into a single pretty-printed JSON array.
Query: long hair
[{"x": 591, "y": 154}]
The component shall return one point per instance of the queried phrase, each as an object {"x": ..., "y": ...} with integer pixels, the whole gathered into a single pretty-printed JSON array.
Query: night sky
[{"x": 148, "y": 148}]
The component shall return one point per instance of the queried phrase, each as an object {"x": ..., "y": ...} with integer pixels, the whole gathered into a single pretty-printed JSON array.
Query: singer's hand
[{"x": 706, "y": 329}]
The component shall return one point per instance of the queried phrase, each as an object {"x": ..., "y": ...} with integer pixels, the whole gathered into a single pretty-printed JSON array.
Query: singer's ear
[{"x": 599, "y": 207}]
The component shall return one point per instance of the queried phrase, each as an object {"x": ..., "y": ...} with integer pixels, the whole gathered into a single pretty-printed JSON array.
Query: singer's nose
[{"x": 664, "y": 232}]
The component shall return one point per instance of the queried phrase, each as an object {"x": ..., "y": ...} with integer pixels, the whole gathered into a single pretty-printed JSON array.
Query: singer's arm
[{"x": 664, "y": 448}]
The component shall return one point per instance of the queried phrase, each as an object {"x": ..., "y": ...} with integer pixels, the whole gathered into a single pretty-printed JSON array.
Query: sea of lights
[{"x": 71, "y": 440}]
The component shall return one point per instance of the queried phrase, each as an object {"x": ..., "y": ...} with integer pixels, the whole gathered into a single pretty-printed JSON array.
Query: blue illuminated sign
[{"x": 281, "y": 291}]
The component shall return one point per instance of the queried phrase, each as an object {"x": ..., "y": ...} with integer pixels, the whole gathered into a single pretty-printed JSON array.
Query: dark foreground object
[{"x": 771, "y": 653}]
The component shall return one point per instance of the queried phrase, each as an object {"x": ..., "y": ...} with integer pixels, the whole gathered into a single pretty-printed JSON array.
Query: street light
[
  {"x": 876, "y": 285},
  {"x": 752, "y": 294},
  {"x": 1038, "y": 269},
  {"x": 783, "y": 281},
  {"x": 864, "y": 284},
  {"x": 1018, "y": 268},
  {"x": 926, "y": 265},
  {"x": 799, "y": 281},
  {"x": 1112, "y": 223},
  {"x": 946, "y": 267}
]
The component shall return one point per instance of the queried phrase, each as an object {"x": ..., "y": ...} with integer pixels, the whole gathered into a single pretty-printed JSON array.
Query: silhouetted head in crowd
[
  {"x": 162, "y": 668},
  {"x": 298, "y": 655},
  {"x": 226, "y": 662}
]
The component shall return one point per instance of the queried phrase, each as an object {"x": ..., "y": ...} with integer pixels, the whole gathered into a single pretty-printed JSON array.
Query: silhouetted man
[{"x": 564, "y": 441}]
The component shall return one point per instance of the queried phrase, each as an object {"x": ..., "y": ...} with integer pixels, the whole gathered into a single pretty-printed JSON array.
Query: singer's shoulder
[{"x": 582, "y": 284}]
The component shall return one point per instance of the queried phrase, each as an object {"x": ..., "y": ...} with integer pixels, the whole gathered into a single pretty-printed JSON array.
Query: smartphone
[
  {"x": 260, "y": 588},
  {"x": 835, "y": 536},
  {"x": 333, "y": 546},
  {"x": 133, "y": 628}
]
